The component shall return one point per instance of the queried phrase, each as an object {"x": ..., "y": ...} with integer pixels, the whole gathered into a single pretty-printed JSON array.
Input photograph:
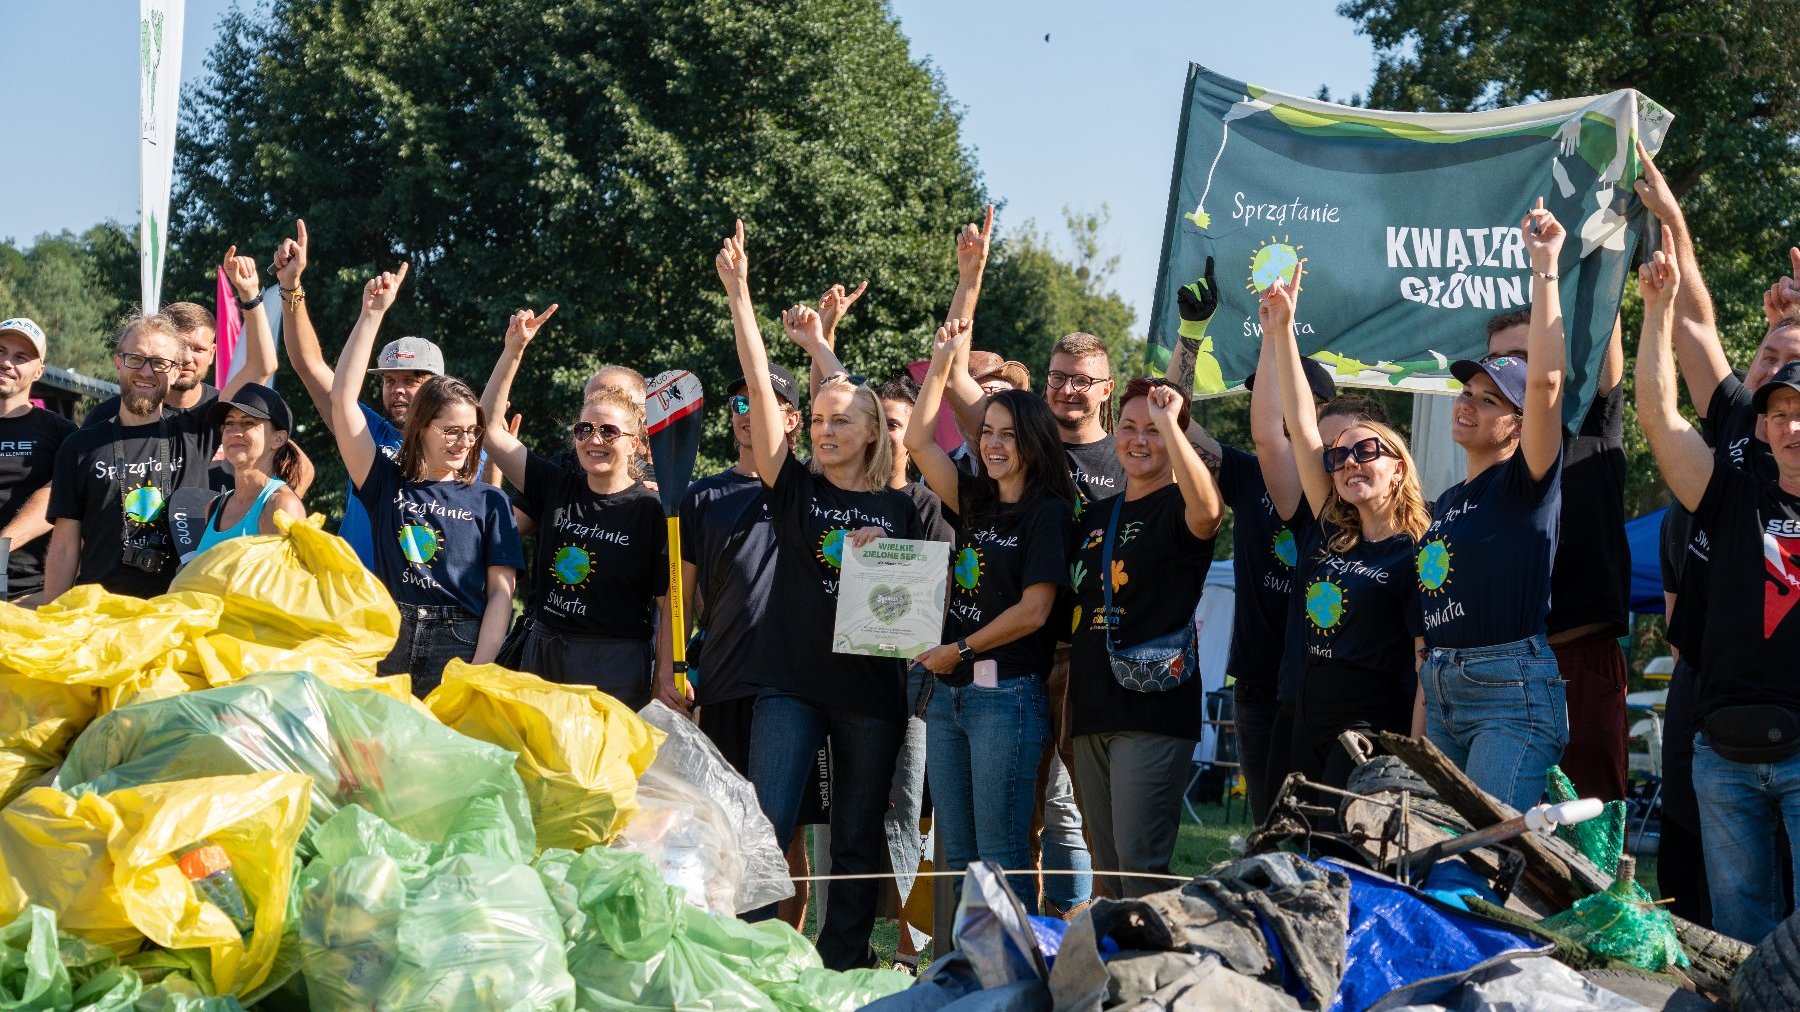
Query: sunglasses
[
  {"x": 1075, "y": 381},
  {"x": 1363, "y": 451},
  {"x": 740, "y": 404},
  {"x": 585, "y": 431}
]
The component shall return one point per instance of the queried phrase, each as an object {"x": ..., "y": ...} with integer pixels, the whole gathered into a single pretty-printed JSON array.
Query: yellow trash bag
[
  {"x": 221, "y": 660},
  {"x": 296, "y": 587},
  {"x": 107, "y": 865},
  {"x": 90, "y": 651},
  {"x": 580, "y": 750}
]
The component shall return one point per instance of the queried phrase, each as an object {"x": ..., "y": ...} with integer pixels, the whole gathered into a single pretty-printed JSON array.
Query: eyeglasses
[
  {"x": 585, "y": 431},
  {"x": 1363, "y": 451},
  {"x": 1075, "y": 381},
  {"x": 740, "y": 404},
  {"x": 466, "y": 434},
  {"x": 133, "y": 363}
]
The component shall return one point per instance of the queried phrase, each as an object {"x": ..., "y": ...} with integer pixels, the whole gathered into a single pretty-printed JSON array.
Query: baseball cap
[
  {"x": 412, "y": 354},
  {"x": 779, "y": 378},
  {"x": 1324, "y": 388},
  {"x": 26, "y": 329},
  {"x": 1507, "y": 372},
  {"x": 1787, "y": 376},
  {"x": 257, "y": 401}
]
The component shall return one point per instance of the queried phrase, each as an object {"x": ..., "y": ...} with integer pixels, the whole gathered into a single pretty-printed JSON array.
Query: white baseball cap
[{"x": 27, "y": 329}]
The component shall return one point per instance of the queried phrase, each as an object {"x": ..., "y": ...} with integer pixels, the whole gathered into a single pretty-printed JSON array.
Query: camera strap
[{"x": 159, "y": 460}]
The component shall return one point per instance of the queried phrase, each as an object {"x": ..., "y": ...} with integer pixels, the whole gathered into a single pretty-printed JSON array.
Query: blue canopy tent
[{"x": 1644, "y": 535}]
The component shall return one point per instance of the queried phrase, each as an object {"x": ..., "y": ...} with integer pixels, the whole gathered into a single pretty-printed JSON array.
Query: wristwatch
[{"x": 964, "y": 651}]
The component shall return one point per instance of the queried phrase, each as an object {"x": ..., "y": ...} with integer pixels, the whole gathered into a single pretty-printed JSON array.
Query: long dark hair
[
  {"x": 439, "y": 393},
  {"x": 1041, "y": 456}
]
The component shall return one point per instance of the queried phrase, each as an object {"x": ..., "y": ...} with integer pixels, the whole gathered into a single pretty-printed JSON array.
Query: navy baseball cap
[
  {"x": 257, "y": 401},
  {"x": 1324, "y": 389},
  {"x": 1787, "y": 376},
  {"x": 1507, "y": 372},
  {"x": 779, "y": 378}
]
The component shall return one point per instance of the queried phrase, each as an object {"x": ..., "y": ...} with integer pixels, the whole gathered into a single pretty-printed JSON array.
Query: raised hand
[
  {"x": 290, "y": 257},
  {"x": 972, "y": 245},
  {"x": 1165, "y": 409},
  {"x": 1543, "y": 236},
  {"x": 732, "y": 262},
  {"x": 1654, "y": 190},
  {"x": 803, "y": 326},
  {"x": 379, "y": 294},
  {"x": 1658, "y": 277},
  {"x": 241, "y": 272},
  {"x": 1782, "y": 300},
  {"x": 1199, "y": 301},
  {"x": 952, "y": 337},
  {"x": 835, "y": 303},
  {"x": 1276, "y": 309},
  {"x": 523, "y": 325}
]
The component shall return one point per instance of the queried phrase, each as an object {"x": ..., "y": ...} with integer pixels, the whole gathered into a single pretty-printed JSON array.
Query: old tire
[
  {"x": 1387, "y": 773},
  {"x": 1770, "y": 979}
]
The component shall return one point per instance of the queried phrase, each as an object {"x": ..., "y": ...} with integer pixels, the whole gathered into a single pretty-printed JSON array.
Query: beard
[{"x": 142, "y": 404}]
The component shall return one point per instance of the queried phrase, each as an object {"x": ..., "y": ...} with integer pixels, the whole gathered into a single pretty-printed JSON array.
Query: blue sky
[{"x": 1086, "y": 118}]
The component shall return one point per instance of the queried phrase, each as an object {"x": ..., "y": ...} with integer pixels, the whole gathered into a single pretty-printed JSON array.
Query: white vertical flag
[{"x": 159, "y": 93}]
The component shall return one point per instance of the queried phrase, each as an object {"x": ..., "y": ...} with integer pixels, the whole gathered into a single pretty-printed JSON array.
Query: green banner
[{"x": 1408, "y": 222}]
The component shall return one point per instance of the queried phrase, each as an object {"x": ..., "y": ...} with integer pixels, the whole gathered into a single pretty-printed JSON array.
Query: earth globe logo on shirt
[
  {"x": 420, "y": 544},
  {"x": 1285, "y": 550},
  {"x": 571, "y": 565},
  {"x": 1325, "y": 605},
  {"x": 831, "y": 548},
  {"x": 143, "y": 504},
  {"x": 968, "y": 569},
  {"x": 1434, "y": 565}
]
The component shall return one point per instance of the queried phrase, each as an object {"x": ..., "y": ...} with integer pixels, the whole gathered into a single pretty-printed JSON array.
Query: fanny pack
[
  {"x": 1158, "y": 664},
  {"x": 1763, "y": 733}
]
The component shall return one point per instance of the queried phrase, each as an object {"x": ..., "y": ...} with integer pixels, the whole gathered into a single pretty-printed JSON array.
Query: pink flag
[
  {"x": 228, "y": 322},
  {"x": 949, "y": 437}
]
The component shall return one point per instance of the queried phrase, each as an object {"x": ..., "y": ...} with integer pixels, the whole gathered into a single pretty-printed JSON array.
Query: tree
[
  {"x": 1031, "y": 297},
  {"x": 77, "y": 287},
  {"x": 590, "y": 153}
]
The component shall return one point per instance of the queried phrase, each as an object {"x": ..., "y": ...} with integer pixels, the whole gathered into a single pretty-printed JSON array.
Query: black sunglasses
[
  {"x": 740, "y": 404},
  {"x": 587, "y": 430},
  {"x": 1363, "y": 451}
]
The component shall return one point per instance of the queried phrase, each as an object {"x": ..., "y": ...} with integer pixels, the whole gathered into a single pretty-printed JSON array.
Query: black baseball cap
[
  {"x": 1507, "y": 371},
  {"x": 1787, "y": 376},
  {"x": 1324, "y": 389},
  {"x": 257, "y": 401},
  {"x": 779, "y": 378}
]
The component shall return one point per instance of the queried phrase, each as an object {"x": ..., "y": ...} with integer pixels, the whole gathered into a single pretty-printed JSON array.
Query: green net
[
  {"x": 1624, "y": 923},
  {"x": 1602, "y": 839}
]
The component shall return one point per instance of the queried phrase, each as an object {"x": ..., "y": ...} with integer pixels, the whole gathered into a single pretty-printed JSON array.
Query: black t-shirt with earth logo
[{"x": 601, "y": 560}]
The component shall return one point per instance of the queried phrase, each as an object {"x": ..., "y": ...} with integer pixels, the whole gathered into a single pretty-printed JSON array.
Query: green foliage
[
  {"x": 589, "y": 153},
  {"x": 1031, "y": 297},
  {"x": 1728, "y": 69},
  {"x": 77, "y": 287}
]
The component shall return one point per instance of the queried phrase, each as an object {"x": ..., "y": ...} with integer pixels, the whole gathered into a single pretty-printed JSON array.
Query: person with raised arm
[
  {"x": 1493, "y": 699},
  {"x": 808, "y": 692},
  {"x": 987, "y": 724},
  {"x": 445, "y": 545},
  {"x": 1357, "y": 526},
  {"x": 1747, "y": 751},
  {"x": 601, "y": 574},
  {"x": 1133, "y": 747}
]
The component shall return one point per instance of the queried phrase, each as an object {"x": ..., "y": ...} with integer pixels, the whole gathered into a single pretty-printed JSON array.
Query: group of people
[{"x": 1056, "y": 723}]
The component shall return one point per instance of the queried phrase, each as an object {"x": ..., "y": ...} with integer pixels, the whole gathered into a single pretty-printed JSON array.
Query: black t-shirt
[
  {"x": 1357, "y": 605},
  {"x": 811, "y": 518},
  {"x": 1591, "y": 581},
  {"x": 28, "y": 445},
  {"x": 107, "y": 409},
  {"x": 1484, "y": 564},
  {"x": 733, "y": 603},
  {"x": 117, "y": 481},
  {"x": 1730, "y": 429},
  {"x": 1095, "y": 468},
  {"x": 1159, "y": 572},
  {"x": 995, "y": 560},
  {"x": 601, "y": 560},
  {"x": 934, "y": 522},
  {"x": 434, "y": 540},
  {"x": 1752, "y": 629},
  {"x": 1683, "y": 555},
  {"x": 1263, "y": 554}
]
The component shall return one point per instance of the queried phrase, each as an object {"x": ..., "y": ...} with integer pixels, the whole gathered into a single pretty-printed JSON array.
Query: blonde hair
[
  {"x": 1411, "y": 515},
  {"x": 620, "y": 398},
  {"x": 878, "y": 464}
]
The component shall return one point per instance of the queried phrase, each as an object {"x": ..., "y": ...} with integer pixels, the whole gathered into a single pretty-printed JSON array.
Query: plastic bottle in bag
[{"x": 208, "y": 869}]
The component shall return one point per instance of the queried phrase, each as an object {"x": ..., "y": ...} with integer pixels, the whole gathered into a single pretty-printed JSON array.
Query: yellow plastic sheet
[
  {"x": 106, "y": 865},
  {"x": 300, "y": 588},
  {"x": 580, "y": 750}
]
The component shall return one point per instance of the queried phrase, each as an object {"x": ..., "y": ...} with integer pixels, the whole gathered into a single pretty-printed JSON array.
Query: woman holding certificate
[
  {"x": 808, "y": 692},
  {"x": 1135, "y": 703},
  {"x": 988, "y": 721}
]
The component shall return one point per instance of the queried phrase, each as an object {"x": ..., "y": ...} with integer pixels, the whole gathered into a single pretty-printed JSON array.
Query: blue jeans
[
  {"x": 1742, "y": 805},
  {"x": 1499, "y": 713},
  {"x": 785, "y": 736},
  {"x": 981, "y": 754},
  {"x": 1064, "y": 844}
]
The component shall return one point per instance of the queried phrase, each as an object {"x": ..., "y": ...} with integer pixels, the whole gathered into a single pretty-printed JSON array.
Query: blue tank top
[{"x": 249, "y": 525}]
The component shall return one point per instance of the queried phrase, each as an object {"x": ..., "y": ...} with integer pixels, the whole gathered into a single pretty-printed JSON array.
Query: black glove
[{"x": 1199, "y": 301}]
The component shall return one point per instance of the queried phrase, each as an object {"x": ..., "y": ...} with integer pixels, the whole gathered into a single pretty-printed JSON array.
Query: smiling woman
[{"x": 253, "y": 438}]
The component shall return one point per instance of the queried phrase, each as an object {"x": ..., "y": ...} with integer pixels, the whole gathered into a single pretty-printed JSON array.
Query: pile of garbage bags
[{"x": 211, "y": 803}]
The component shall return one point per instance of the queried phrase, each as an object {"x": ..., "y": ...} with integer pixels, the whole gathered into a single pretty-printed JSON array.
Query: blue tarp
[{"x": 1644, "y": 535}]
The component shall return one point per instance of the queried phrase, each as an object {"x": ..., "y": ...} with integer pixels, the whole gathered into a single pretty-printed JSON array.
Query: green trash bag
[
  {"x": 1601, "y": 840},
  {"x": 360, "y": 748},
  {"x": 44, "y": 970}
]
